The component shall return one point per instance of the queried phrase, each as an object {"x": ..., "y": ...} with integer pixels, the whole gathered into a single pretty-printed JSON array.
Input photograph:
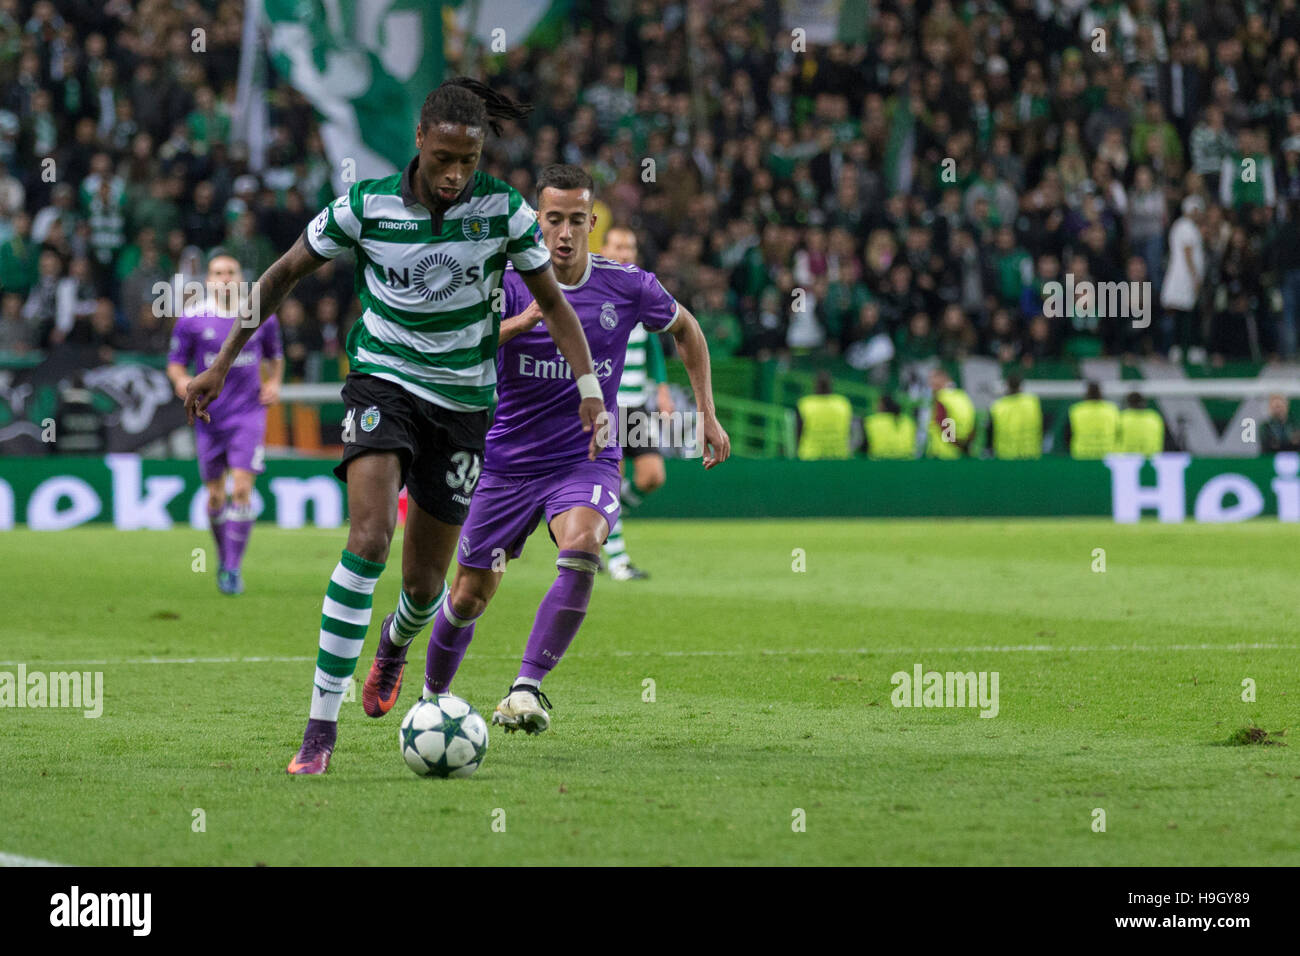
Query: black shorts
[
  {"x": 441, "y": 451},
  {"x": 639, "y": 421}
]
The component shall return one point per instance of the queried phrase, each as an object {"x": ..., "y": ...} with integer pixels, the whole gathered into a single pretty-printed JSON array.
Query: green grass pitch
[{"x": 772, "y": 694}]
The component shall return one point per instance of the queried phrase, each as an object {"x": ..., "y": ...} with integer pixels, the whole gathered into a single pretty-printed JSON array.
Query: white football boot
[{"x": 523, "y": 710}]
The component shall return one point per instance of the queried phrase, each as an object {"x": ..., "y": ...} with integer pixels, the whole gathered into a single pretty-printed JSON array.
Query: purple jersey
[
  {"x": 198, "y": 338},
  {"x": 536, "y": 426}
]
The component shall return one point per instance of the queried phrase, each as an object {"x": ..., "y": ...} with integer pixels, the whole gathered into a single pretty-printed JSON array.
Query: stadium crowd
[{"x": 900, "y": 196}]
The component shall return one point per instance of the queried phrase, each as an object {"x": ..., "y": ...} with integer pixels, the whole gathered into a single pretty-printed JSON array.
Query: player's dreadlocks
[{"x": 465, "y": 101}]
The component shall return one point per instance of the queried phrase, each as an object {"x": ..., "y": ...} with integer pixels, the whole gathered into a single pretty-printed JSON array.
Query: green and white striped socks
[
  {"x": 411, "y": 619},
  {"x": 344, "y": 619},
  {"x": 615, "y": 546}
]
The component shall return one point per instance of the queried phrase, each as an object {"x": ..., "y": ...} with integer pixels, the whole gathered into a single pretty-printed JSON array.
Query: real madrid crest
[
  {"x": 608, "y": 315},
  {"x": 475, "y": 227}
]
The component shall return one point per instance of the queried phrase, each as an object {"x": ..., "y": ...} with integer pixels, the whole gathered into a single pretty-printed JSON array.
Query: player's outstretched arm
[
  {"x": 566, "y": 331},
  {"x": 694, "y": 350},
  {"x": 268, "y": 293}
]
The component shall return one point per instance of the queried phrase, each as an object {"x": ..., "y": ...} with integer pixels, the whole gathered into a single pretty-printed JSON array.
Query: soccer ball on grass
[{"x": 443, "y": 737}]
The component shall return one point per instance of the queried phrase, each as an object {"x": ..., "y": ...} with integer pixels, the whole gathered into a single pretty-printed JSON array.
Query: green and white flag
[{"x": 366, "y": 66}]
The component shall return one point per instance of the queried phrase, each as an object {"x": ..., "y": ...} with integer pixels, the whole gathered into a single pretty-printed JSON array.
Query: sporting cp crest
[
  {"x": 370, "y": 419},
  {"x": 475, "y": 227},
  {"x": 608, "y": 315}
]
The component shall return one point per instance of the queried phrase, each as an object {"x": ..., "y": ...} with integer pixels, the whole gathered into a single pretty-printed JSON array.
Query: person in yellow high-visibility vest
[
  {"x": 825, "y": 422},
  {"x": 952, "y": 418},
  {"x": 1016, "y": 423},
  {"x": 1093, "y": 427},
  {"x": 890, "y": 433},
  {"x": 1141, "y": 429}
]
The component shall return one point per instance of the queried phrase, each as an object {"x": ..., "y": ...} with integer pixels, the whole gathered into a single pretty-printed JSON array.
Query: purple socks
[
  {"x": 560, "y": 614},
  {"x": 238, "y": 526},
  {"x": 217, "y": 521},
  {"x": 447, "y": 646},
  {"x": 231, "y": 526},
  {"x": 558, "y": 618}
]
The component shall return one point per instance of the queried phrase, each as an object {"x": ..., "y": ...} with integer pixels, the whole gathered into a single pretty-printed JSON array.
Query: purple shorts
[
  {"x": 504, "y": 511},
  {"x": 239, "y": 445}
]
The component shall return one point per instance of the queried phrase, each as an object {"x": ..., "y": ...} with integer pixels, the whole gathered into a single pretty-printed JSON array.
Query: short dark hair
[
  {"x": 467, "y": 102},
  {"x": 1135, "y": 400},
  {"x": 565, "y": 176},
  {"x": 1094, "y": 392},
  {"x": 1014, "y": 381}
]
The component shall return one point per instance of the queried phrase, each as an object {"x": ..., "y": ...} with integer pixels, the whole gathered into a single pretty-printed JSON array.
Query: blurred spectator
[
  {"x": 1280, "y": 434},
  {"x": 889, "y": 433},
  {"x": 1182, "y": 282},
  {"x": 41, "y": 307},
  {"x": 149, "y": 333},
  {"x": 720, "y": 325},
  {"x": 250, "y": 248},
  {"x": 824, "y": 422},
  {"x": 19, "y": 257},
  {"x": 952, "y": 418},
  {"x": 1092, "y": 429},
  {"x": 76, "y": 300},
  {"x": 1016, "y": 423},
  {"x": 300, "y": 339},
  {"x": 957, "y": 338},
  {"x": 1141, "y": 429},
  {"x": 15, "y": 334},
  {"x": 1284, "y": 256}
]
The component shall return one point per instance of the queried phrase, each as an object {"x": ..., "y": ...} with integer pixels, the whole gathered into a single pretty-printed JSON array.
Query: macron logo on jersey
[{"x": 406, "y": 224}]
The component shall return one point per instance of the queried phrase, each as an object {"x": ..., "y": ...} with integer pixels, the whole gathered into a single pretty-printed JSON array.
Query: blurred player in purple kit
[
  {"x": 538, "y": 463},
  {"x": 231, "y": 443}
]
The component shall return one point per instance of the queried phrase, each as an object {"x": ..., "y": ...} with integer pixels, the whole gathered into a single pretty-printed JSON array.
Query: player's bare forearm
[
  {"x": 561, "y": 321},
  {"x": 275, "y": 283},
  {"x": 272, "y": 373},
  {"x": 179, "y": 376},
  {"x": 694, "y": 351}
]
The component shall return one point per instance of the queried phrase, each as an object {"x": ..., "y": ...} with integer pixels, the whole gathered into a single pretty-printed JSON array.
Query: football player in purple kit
[
  {"x": 231, "y": 442},
  {"x": 538, "y": 463}
]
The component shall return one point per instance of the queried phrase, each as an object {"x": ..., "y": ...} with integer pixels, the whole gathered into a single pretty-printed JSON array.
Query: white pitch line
[
  {"x": 10, "y": 859},
  {"x": 760, "y": 651}
]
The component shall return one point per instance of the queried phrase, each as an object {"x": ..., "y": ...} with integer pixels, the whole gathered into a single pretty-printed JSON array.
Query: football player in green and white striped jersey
[{"x": 431, "y": 245}]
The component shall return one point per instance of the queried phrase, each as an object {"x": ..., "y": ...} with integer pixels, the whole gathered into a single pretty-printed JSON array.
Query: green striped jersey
[
  {"x": 426, "y": 282},
  {"x": 632, "y": 390}
]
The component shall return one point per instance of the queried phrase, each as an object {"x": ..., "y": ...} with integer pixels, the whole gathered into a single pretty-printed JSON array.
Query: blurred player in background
[
  {"x": 230, "y": 445},
  {"x": 431, "y": 244},
  {"x": 643, "y": 370},
  {"x": 539, "y": 464}
]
